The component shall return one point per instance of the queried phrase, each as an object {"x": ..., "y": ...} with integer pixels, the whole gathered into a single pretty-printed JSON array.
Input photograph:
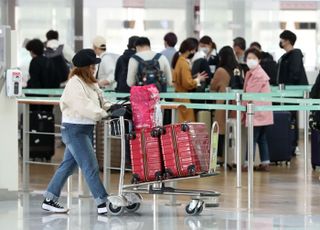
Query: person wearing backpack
[
  {"x": 121, "y": 71},
  {"x": 148, "y": 67}
]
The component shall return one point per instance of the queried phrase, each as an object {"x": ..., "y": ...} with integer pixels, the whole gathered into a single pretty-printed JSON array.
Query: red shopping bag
[{"x": 143, "y": 102}]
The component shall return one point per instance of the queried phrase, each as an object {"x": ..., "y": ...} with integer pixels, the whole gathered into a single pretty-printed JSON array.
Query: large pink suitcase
[
  {"x": 145, "y": 155},
  {"x": 185, "y": 149}
]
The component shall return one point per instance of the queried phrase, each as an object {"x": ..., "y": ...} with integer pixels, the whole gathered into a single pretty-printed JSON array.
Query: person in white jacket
[
  {"x": 82, "y": 105},
  {"x": 106, "y": 69}
]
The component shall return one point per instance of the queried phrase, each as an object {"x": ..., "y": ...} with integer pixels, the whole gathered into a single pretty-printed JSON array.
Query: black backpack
[
  {"x": 149, "y": 72},
  {"x": 57, "y": 67},
  {"x": 236, "y": 80}
]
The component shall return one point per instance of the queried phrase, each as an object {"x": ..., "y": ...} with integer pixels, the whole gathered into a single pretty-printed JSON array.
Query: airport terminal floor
[{"x": 283, "y": 199}]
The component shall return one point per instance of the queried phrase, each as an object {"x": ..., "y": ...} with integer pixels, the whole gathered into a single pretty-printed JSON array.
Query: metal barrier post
[
  {"x": 69, "y": 192},
  {"x": 250, "y": 114},
  {"x": 106, "y": 157},
  {"x": 25, "y": 151},
  {"x": 226, "y": 134},
  {"x": 172, "y": 198},
  {"x": 306, "y": 125},
  {"x": 238, "y": 141}
]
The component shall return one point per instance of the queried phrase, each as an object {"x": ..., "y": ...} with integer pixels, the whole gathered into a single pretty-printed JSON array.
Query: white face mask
[
  {"x": 204, "y": 49},
  {"x": 252, "y": 63}
]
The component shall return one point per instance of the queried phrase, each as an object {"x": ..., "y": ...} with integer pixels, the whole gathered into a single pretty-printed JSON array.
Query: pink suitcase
[
  {"x": 145, "y": 156},
  {"x": 185, "y": 149}
]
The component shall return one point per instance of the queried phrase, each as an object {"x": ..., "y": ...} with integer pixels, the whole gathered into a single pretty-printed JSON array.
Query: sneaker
[
  {"x": 244, "y": 168},
  {"x": 102, "y": 209},
  {"x": 52, "y": 206}
]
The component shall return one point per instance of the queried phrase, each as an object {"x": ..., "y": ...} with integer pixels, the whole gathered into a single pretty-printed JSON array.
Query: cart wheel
[
  {"x": 115, "y": 210},
  {"x": 196, "y": 210},
  {"x": 199, "y": 210},
  {"x": 185, "y": 127},
  {"x": 133, "y": 207}
]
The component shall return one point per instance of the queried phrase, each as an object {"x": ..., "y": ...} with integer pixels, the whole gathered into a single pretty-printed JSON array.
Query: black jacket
[
  {"x": 291, "y": 70},
  {"x": 121, "y": 71},
  {"x": 38, "y": 73},
  {"x": 269, "y": 66},
  {"x": 315, "y": 91}
]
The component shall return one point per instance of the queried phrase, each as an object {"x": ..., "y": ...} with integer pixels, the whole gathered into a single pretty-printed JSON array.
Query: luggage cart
[{"x": 129, "y": 196}]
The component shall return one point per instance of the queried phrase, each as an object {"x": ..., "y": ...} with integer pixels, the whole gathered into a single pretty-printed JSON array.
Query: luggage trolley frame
[{"x": 129, "y": 196}]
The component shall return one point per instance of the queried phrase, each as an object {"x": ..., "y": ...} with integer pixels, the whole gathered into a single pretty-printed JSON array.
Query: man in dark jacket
[
  {"x": 290, "y": 66},
  {"x": 291, "y": 72},
  {"x": 121, "y": 70}
]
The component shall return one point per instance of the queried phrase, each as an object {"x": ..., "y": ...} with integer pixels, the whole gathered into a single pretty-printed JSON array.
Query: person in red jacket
[{"x": 257, "y": 81}]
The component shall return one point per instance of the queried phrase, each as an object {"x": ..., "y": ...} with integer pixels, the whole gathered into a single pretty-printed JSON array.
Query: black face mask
[
  {"x": 190, "y": 55},
  {"x": 280, "y": 44}
]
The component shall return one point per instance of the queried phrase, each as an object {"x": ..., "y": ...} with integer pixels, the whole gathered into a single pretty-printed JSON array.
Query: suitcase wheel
[
  {"x": 162, "y": 130},
  {"x": 135, "y": 179},
  {"x": 158, "y": 176},
  {"x": 185, "y": 127},
  {"x": 132, "y": 136},
  {"x": 155, "y": 132},
  {"x": 191, "y": 170},
  {"x": 168, "y": 174}
]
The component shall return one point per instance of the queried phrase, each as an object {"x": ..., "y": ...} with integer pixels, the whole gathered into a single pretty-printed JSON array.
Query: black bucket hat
[{"x": 85, "y": 57}]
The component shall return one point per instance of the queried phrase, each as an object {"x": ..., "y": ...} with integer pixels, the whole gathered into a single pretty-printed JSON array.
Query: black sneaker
[
  {"x": 102, "y": 209},
  {"x": 51, "y": 206}
]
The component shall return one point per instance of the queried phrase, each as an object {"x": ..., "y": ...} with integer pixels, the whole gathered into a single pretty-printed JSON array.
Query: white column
[{"x": 9, "y": 134}]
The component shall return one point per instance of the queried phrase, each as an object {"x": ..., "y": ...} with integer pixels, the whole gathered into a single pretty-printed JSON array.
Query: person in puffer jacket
[{"x": 257, "y": 81}]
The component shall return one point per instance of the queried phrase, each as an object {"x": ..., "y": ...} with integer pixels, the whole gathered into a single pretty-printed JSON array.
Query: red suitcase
[
  {"x": 145, "y": 156},
  {"x": 185, "y": 149}
]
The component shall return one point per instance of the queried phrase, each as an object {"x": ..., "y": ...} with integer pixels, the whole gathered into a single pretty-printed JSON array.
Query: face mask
[
  {"x": 280, "y": 44},
  {"x": 204, "y": 49},
  {"x": 190, "y": 55},
  {"x": 252, "y": 63}
]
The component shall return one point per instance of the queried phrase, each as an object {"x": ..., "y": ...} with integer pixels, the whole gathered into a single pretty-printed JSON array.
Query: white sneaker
[
  {"x": 102, "y": 209},
  {"x": 51, "y": 206}
]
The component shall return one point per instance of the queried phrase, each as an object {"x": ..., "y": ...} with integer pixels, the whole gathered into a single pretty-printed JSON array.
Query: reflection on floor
[
  {"x": 283, "y": 198},
  {"x": 26, "y": 214}
]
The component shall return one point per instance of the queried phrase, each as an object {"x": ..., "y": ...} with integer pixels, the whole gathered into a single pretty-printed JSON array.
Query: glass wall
[
  {"x": 117, "y": 22},
  {"x": 255, "y": 20},
  {"x": 35, "y": 17}
]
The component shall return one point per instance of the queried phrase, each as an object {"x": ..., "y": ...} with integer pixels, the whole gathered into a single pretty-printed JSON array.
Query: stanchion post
[
  {"x": 250, "y": 115},
  {"x": 25, "y": 149},
  {"x": 238, "y": 140},
  {"x": 226, "y": 134},
  {"x": 306, "y": 125}
]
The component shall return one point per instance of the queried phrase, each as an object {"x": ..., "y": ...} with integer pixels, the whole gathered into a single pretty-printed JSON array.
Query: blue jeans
[
  {"x": 260, "y": 137},
  {"x": 79, "y": 152}
]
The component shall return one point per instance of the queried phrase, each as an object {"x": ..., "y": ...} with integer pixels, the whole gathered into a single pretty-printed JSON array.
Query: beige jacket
[{"x": 80, "y": 102}]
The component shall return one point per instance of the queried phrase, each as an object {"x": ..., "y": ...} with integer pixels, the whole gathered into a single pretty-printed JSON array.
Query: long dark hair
[
  {"x": 186, "y": 45},
  {"x": 228, "y": 59}
]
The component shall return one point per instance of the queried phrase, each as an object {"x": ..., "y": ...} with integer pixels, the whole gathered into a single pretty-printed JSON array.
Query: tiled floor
[{"x": 283, "y": 199}]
